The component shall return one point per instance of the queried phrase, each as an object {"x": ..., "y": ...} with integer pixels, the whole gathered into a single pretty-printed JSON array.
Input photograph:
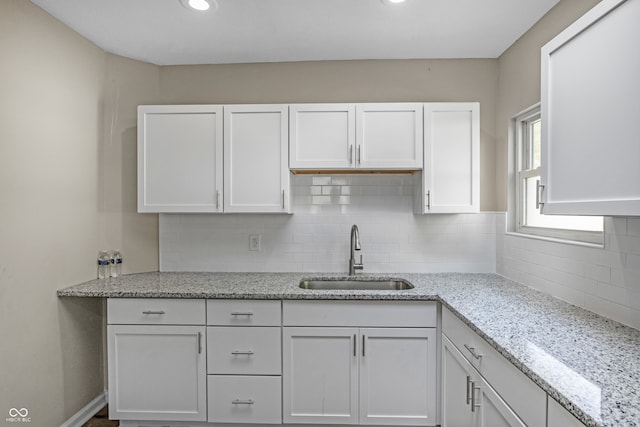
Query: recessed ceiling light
[
  {"x": 392, "y": 1},
  {"x": 200, "y": 5}
]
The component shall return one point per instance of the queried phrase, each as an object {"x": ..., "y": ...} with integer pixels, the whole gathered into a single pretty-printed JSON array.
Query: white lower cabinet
[
  {"x": 244, "y": 361},
  {"x": 156, "y": 371},
  {"x": 244, "y": 399},
  {"x": 359, "y": 375},
  {"x": 482, "y": 388},
  {"x": 467, "y": 398}
]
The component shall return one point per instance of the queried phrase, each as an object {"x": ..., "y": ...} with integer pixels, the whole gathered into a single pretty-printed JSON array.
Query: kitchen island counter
[{"x": 588, "y": 363}]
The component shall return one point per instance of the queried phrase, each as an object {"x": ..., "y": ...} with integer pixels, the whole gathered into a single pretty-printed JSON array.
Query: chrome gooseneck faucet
[{"x": 355, "y": 246}]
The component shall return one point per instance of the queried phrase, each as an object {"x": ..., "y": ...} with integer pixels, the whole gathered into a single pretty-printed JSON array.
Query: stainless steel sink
[{"x": 357, "y": 285}]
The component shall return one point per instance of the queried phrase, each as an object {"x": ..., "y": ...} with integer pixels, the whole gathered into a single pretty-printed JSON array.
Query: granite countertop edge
[{"x": 446, "y": 288}]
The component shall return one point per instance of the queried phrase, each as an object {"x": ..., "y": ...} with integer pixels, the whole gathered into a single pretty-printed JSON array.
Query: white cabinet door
[
  {"x": 179, "y": 158},
  {"x": 467, "y": 398},
  {"x": 157, "y": 373},
  {"x": 321, "y": 136},
  {"x": 557, "y": 416},
  {"x": 389, "y": 136},
  {"x": 491, "y": 410},
  {"x": 590, "y": 104},
  {"x": 320, "y": 375},
  {"x": 398, "y": 376},
  {"x": 451, "y": 174},
  {"x": 456, "y": 387},
  {"x": 256, "y": 172}
]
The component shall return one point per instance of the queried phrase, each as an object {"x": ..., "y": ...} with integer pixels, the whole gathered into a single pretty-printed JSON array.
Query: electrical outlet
[{"x": 254, "y": 242}]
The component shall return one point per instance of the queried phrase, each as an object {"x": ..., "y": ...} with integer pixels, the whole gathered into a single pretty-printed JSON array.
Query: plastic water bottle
[
  {"x": 116, "y": 263},
  {"x": 103, "y": 265}
]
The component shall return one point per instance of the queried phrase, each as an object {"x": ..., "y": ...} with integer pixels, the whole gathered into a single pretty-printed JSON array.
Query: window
[{"x": 527, "y": 136}]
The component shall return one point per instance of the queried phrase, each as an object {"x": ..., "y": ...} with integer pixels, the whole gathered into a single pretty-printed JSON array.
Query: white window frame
[{"x": 519, "y": 134}]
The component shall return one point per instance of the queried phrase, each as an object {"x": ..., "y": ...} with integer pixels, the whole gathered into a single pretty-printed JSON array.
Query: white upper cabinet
[
  {"x": 346, "y": 136},
  {"x": 179, "y": 158},
  {"x": 389, "y": 136},
  {"x": 451, "y": 174},
  {"x": 322, "y": 136},
  {"x": 256, "y": 176},
  {"x": 182, "y": 168},
  {"x": 590, "y": 102}
]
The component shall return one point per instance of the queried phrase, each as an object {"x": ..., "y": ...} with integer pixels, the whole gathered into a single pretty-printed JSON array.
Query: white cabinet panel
[
  {"x": 398, "y": 376},
  {"x": 590, "y": 104},
  {"x": 179, "y": 158},
  {"x": 451, "y": 174},
  {"x": 320, "y": 375},
  {"x": 155, "y": 311},
  {"x": 256, "y": 174},
  {"x": 321, "y": 136},
  {"x": 557, "y": 416},
  {"x": 157, "y": 373},
  {"x": 389, "y": 136},
  {"x": 244, "y": 312},
  {"x": 244, "y": 350},
  {"x": 244, "y": 399}
]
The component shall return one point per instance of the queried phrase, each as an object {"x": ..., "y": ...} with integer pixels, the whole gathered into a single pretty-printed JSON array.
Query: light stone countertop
[{"x": 590, "y": 364}]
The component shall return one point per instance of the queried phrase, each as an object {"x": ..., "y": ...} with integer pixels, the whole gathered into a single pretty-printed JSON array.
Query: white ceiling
[{"x": 164, "y": 32}]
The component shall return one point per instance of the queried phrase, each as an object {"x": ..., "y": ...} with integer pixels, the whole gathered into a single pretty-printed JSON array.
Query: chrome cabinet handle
[
  {"x": 539, "y": 189},
  {"x": 217, "y": 199},
  {"x": 474, "y": 405},
  {"x": 472, "y": 350},
  {"x": 468, "y": 389},
  {"x": 153, "y": 312},
  {"x": 358, "y": 156},
  {"x": 247, "y": 352},
  {"x": 363, "y": 341},
  {"x": 283, "y": 199},
  {"x": 351, "y": 154},
  {"x": 354, "y": 345},
  {"x": 242, "y": 313},
  {"x": 243, "y": 402},
  {"x": 199, "y": 342},
  {"x": 429, "y": 200}
]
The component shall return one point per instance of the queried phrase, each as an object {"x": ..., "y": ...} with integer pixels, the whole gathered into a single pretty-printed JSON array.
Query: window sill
[{"x": 555, "y": 240}]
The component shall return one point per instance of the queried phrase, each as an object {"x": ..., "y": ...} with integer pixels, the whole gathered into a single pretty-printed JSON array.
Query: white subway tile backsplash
[
  {"x": 604, "y": 280},
  {"x": 316, "y": 237}
]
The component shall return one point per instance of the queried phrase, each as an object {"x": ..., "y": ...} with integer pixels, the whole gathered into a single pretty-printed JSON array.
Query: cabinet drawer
[
  {"x": 244, "y": 399},
  {"x": 155, "y": 311},
  {"x": 244, "y": 350},
  {"x": 243, "y": 313},
  {"x": 383, "y": 314},
  {"x": 522, "y": 394}
]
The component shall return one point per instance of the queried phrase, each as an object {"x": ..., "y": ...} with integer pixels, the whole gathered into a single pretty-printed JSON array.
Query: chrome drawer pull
[
  {"x": 248, "y": 352},
  {"x": 468, "y": 389},
  {"x": 243, "y": 402},
  {"x": 472, "y": 350},
  {"x": 242, "y": 313},
  {"x": 153, "y": 312}
]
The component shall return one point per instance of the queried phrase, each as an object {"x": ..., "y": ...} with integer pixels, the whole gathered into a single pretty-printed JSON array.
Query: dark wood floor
[{"x": 101, "y": 419}]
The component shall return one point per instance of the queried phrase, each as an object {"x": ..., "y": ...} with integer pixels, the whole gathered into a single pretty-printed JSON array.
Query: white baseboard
[{"x": 86, "y": 412}]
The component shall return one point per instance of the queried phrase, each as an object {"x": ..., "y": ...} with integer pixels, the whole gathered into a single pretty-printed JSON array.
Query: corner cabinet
[
  {"x": 340, "y": 363},
  {"x": 179, "y": 158},
  {"x": 157, "y": 360},
  {"x": 378, "y": 136},
  {"x": 589, "y": 104},
  {"x": 450, "y": 180},
  {"x": 480, "y": 387},
  {"x": 256, "y": 172}
]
